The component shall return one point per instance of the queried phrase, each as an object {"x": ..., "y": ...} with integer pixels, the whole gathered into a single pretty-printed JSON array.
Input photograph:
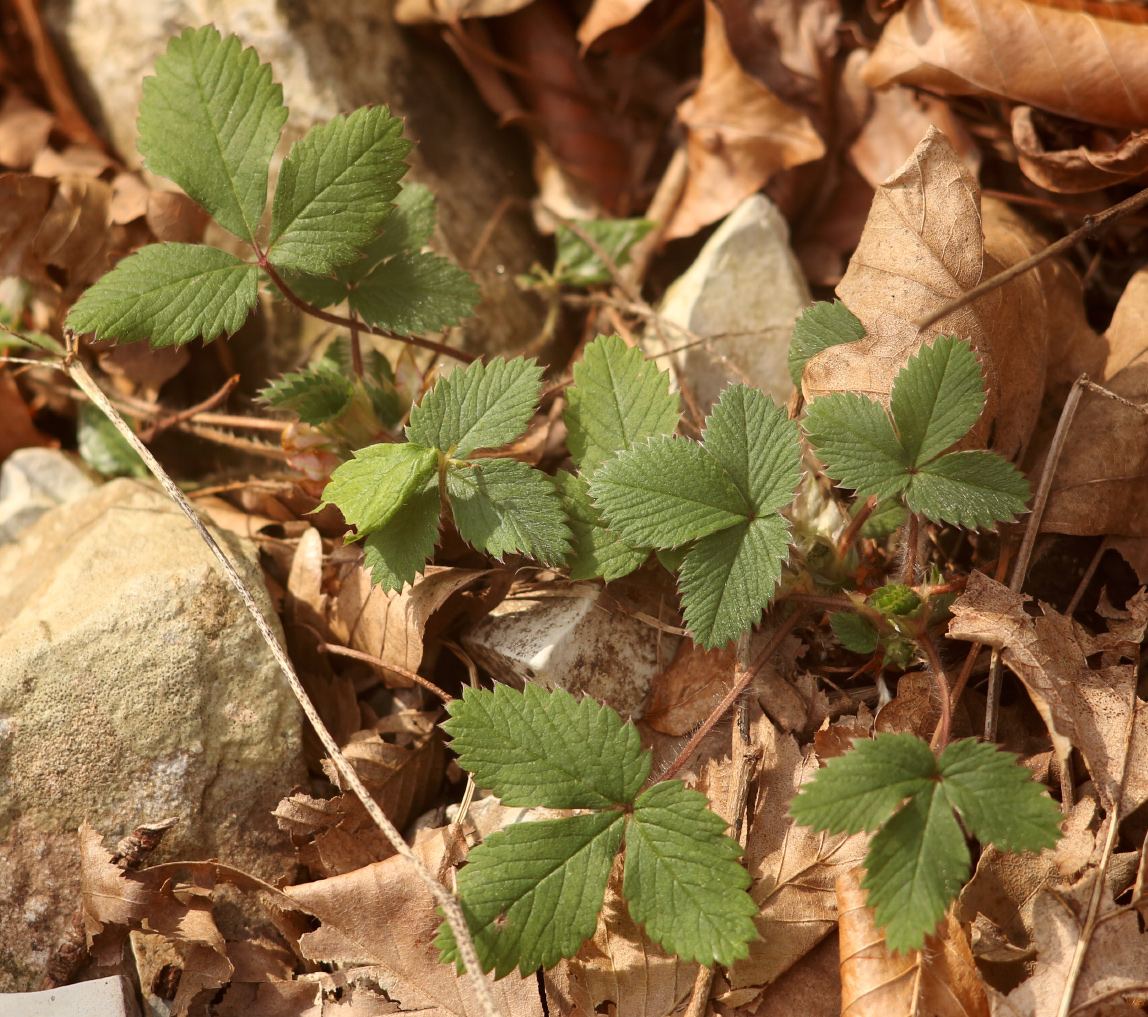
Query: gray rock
[
  {"x": 100, "y": 997},
  {"x": 33, "y": 480},
  {"x": 133, "y": 686},
  {"x": 572, "y": 641},
  {"x": 745, "y": 289},
  {"x": 332, "y": 58}
]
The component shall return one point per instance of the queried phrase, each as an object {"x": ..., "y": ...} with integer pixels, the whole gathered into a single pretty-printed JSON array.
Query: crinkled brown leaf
[
  {"x": 24, "y": 200},
  {"x": 24, "y": 130},
  {"x": 685, "y": 693},
  {"x": 1078, "y": 169}
]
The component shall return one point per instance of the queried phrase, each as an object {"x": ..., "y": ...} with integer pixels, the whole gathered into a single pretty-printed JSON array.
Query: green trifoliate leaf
[
  {"x": 857, "y": 791},
  {"x": 682, "y": 880},
  {"x": 170, "y": 293},
  {"x": 415, "y": 292},
  {"x": 853, "y": 632},
  {"x": 597, "y": 551},
  {"x": 756, "y": 445},
  {"x": 399, "y": 551},
  {"x": 729, "y": 578},
  {"x": 916, "y": 864},
  {"x": 817, "y": 328},
  {"x": 502, "y": 507},
  {"x": 335, "y": 189},
  {"x": 855, "y": 440},
  {"x": 373, "y": 486},
  {"x": 937, "y": 396},
  {"x": 544, "y": 748},
  {"x": 317, "y": 394},
  {"x": 968, "y": 488},
  {"x": 997, "y": 798},
  {"x": 210, "y": 119},
  {"x": 103, "y": 448},
  {"x": 578, "y": 265},
  {"x": 618, "y": 398},
  {"x": 531, "y": 893},
  {"x": 665, "y": 491},
  {"x": 479, "y": 406}
]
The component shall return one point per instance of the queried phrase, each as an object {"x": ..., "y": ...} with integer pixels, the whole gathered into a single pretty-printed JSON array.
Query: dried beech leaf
[
  {"x": 1075, "y": 170},
  {"x": 740, "y": 135},
  {"x": 683, "y": 695},
  {"x": 606, "y": 14},
  {"x": 926, "y": 241},
  {"x": 1084, "y": 61},
  {"x": 24, "y": 130}
]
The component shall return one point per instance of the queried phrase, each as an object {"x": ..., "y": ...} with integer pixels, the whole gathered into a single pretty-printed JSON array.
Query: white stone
[
  {"x": 100, "y": 997},
  {"x": 33, "y": 480},
  {"x": 745, "y": 289}
]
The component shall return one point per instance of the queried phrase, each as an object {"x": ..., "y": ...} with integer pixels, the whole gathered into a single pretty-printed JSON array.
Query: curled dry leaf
[
  {"x": 1084, "y": 61},
  {"x": 416, "y": 12},
  {"x": 1079, "y": 169},
  {"x": 606, "y": 14},
  {"x": 928, "y": 240},
  {"x": 685, "y": 693},
  {"x": 740, "y": 135},
  {"x": 1083, "y": 707}
]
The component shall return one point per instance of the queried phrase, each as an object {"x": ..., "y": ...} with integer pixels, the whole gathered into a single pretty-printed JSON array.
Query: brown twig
[
  {"x": 163, "y": 423},
  {"x": 600, "y": 253},
  {"x": 346, "y": 651},
  {"x": 912, "y": 538},
  {"x": 1086, "y": 578},
  {"x": 945, "y": 727},
  {"x": 855, "y": 524}
]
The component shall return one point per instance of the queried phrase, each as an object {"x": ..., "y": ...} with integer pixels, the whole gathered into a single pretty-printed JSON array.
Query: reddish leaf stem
[
  {"x": 945, "y": 727},
  {"x": 854, "y": 527}
]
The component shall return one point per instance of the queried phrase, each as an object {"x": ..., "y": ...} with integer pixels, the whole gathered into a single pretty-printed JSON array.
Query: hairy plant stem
[
  {"x": 912, "y": 538},
  {"x": 443, "y": 897},
  {"x": 854, "y": 528},
  {"x": 945, "y": 727},
  {"x": 356, "y": 347}
]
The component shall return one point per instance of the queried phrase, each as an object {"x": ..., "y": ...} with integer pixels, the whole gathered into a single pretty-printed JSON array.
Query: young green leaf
[
  {"x": 853, "y": 632},
  {"x": 399, "y": 551},
  {"x": 855, "y": 439},
  {"x": 682, "y": 880},
  {"x": 103, "y": 448},
  {"x": 415, "y": 292},
  {"x": 887, "y": 517},
  {"x": 532, "y": 892},
  {"x": 170, "y": 293},
  {"x": 666, "y": 491},
  {"x": 371, "y": 488},
  {"x": 618, "y": 397},
  {"x": 503, "y": 506},
  {"x": 597, "y": 551},
  {"x": 817, "y": 328},
  {"x": 545, "y": 748},
  {"x": 479, "y": 406},
  {"x": 317, "y": 394},
  {"x": 210, "y": 119},
  {"x": 408, "y": 228},
  {"x": 335, "y": 189},
  {"x": 578, "y": 265},
  {"x": 969, "y": 489},
  {"x": 729, "y": 577}
]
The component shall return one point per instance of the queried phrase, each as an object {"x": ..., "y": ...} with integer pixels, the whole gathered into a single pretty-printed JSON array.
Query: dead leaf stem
[
  {"x": 368, "y": 658},
  {"x": 442, "y": 895},
  {"x": 945, "y": 725},
  {"x": 163, "y": 423}
]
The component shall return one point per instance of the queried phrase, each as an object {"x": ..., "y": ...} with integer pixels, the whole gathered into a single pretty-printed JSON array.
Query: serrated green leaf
[
  {"x": 673, "y": 557},
  {"x": 665, "y": 491},
  {"x": 401, "y": 550},
  {"x": 756, "y": 445},
  {"x": 969, "y": 489},
  {"x": 371, "y": 488},
  {"x": 170, "y": 293},
  {"x": 886, "y": 518},
  {"x": 618, "y": 398},
  {"x": 682, "y": 880},
  {"x": 479, "y": 406},
  {"x": 916, "y": 864},
  {"x": 531, "y": 893},
  {"x": 335, "y": 189},
  {"x": 997, "y": 798},
  {"x": 502, "y": 506},
  {"x": 597, "y": 552},
  {"x": 853, "y": 632},
  {"x": 857, "y": 791},
  {"x": 855, "y": 440},
  {"x": 729, "y": 577},
  {"x": 578, "y": 265},
  {"x": 414, "y": 292},
  {"x": 545, "y": 748},
  {"x": 817, "y": 328},
  {"x": 103, "y": 448},
  {"x": 318, "y": 395},
  {"x": 210, "y": 119},
  {"x": 937, "y": 397}
]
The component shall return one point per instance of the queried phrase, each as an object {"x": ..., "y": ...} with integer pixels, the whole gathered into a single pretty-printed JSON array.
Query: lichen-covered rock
[
  {"x": 33, "y": 480},
  {"x": 133, "y": 686}
]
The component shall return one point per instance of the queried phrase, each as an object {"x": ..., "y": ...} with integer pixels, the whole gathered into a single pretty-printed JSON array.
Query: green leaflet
[
  {"x": 318, "y": 395},
  {"x": 969, "y": 489},
  {"x": 210, "y": 119},
  {"x": 397, "y": 553},
  {"x": 415, "y": 292},
  {"x": 856, "y": 441},
  {"x": 479, "y": 406},
  {"x": 371, "y": 488},
  {"x": 597, "y": 552},
  {"x": 170, "y": 293},
  {"x": 853, "y": 632},
  {"x": 545, "y": 748},
  {"x": 817, "y": 328},
  {"x": 618, "y": 397},
  {"x": 335, "y": 189},
  {"x": 578, "y": 265},
  {"x": 503, "y": 506}
]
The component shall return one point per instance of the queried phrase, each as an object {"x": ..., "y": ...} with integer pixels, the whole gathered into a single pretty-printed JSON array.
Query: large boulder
[{"x": 134, "y": 686}]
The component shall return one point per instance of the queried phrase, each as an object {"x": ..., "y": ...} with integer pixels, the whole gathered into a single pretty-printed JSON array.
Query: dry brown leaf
[
  {"x": 384, "y": 915},
  {"x": 1079, "y": 169},
  {"x": 685, "y": 693},
  {"x": 24, "y": 130},
  {"x": 916, "y": 709},
  {"x": 606, "y": 14},
  {"x": 1081, "y": 60},
  {"x": 1134, "y": 550},
  {"x": 272, "y": 999},
  {"x": 939, "y": 980},
  {"x": 811, "y": 988},
  {"x": 417, "y": 12},
  {"x": 24, "y": 200},
  {"x": 16, "y": 427},
  {"x": 926, "y": 241},
  {"x": 1084, "y": 708},
  {"x": 740, "y": 135},
  {"x": 145, "y": 366}
]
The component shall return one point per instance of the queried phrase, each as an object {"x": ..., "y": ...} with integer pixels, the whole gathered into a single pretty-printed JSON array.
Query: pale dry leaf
[
  {"x": 606, "y": 14},
  {"x": 927, "y": 240},
  {"x": 685, "y": 693},
  {"x": 75, "y": 160},
  {"x": 811, "y": 988},
  {"x": 739, "y": 135},
  {"x": 417, "y": 12},
  {"x": 1075, "y": 170},
  {"x": 1083, "y": 707},
  {"x": 306, "y": 602},
  {"x": 129, "y": 198},
  {"x": 272, "y": 999},
  {"x": 24, "y": 130}
]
